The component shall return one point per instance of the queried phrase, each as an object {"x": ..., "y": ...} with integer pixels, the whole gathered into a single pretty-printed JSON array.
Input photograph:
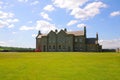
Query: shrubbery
[{"x": 16, "y": 49}]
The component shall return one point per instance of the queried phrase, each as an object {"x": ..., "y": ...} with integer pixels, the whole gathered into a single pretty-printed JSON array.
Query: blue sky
[{"x": 20, "y": 20}]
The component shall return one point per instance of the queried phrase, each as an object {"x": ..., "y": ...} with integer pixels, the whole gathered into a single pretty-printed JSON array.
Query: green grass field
[{"x": 60, "y": 66}]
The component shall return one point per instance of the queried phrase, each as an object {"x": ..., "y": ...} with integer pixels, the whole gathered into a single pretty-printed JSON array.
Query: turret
[{"x": 97, "y": 38}]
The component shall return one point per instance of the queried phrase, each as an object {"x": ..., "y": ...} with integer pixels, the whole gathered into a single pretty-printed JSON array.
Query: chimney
[
  {"x": 85, "y": 31},
  {"x": 39, "y": 32},
  {"x": 65, "y": 30},
  {"x": 97, "y": 38},
  {"x": 56, "y": 30}
]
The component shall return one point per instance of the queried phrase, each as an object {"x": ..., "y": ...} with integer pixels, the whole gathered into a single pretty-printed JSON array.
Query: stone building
[{"x": 65, "y": 41}]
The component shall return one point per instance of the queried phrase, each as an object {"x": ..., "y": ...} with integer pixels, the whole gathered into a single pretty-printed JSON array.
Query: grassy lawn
[{"x": 59, "y": 66}]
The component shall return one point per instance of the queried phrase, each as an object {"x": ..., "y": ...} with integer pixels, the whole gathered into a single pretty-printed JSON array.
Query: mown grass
[{"x": 60, "y": 66}]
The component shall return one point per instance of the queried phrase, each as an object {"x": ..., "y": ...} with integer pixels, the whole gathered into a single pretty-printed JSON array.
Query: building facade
[{"x": 65, "y": 41}]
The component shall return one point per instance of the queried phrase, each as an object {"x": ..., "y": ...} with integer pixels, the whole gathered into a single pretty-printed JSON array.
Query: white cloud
[
  {"x": 44, "y": 26},
  {"x": 2, "y": 43},
  {"x": 78, "y": 10},
  {"x": 12, "y": 20},
  {"x": 8, "y": 23},
  {"x": 49, "y": 8},
  {"x": 90, "y": 10},
  {"x": 72, "y": 22},
  {"x": 45, "y": 16},
  {"x": 3, "y": 23},
  {"x": 7, "y": 19},
  {"x": 114, "y": 43},
  {"x": 81, "y": 25},
  {"x": 6, "y": 15},
  {"x": 11, "y": 26},
  {"x": 14, "y": 32},
  {"x": 34, "y": 2},
  {"x": 23, "y": 0},
  {"x": 69, "y": 4},
  {"x": 115, "y": 13},
  {"x": 26, "y": 28},
  {"x": 34, "y": 35}
]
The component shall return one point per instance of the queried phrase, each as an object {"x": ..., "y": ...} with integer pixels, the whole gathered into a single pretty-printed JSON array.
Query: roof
[
  {"x": 76, "y": 33},
  {"x": 39, "y": 36},
  {"x": 91, "y": 40}
]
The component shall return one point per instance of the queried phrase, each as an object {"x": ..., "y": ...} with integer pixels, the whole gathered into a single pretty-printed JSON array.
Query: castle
[{"x": 67, "y": 41}]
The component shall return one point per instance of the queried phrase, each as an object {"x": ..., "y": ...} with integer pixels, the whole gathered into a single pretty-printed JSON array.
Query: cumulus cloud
[
  {"x": 69, "y": 4},
  {"x": 4, "y": 15},
  {"x": 11, "y": 26},
  {"x": 7, "y": 19},
  {"x": 42, "y": 25},
  {"x": 45, "y": 26},
  {"x": 90, "y": 10},
  {"x": 12, "y": 20},
  {"x": 2, "y": 43},
  {"x": 26, "y": 28},
  {"x": 77, "y": 9},
  {"x": 23, "y": 0},
  {"x": 8, "y": 23},
  {"x": 72, "y": 22},
  {"x": 114, "y": 43},
  {"x": 3, "y": 23},
  {"x": 49, "y": 8},
  {"x": 34, "y": 3},
  {"x": 81, "y": 25},
  {"x": 45, "y": 16},
  {"x": 115, "y": 13}
]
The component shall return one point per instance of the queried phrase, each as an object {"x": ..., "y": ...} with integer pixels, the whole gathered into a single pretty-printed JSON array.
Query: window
[
  {"x": 63, "y": 47},
  {"x": 53, "y": 46},
  {"x": 53, "y": 41},
  {"x": 59, "y": 46},
  {"x": 80, "y": 40},
  {"x": 49, "y": 47},
  {"x": 49, "y": 41},
  {"x": 76, "y": 39},
  {"x": 44, "y": 48}
]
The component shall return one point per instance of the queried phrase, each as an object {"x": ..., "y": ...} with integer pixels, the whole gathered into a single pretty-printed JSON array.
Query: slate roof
[
  {"x": 39, "y": 36},
  {"x": 76, "y": 33}
]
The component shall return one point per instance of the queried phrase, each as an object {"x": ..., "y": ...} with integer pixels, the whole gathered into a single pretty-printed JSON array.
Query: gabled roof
[{"x": 76, "y": 33}]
